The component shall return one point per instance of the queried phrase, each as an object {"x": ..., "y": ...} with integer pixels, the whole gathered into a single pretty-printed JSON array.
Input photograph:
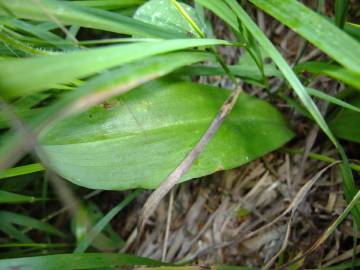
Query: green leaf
[
  {"x": 331, "y": 70},
  {"x": 163, "y": 13},
  {"x": 75, "y": 261},
  {"x": 341, "y": 11},
  {"x": 96, "y": 230},
  {"x": 144, "y": 134},
  {"x": 66, "y": 67},
  {"x": 10, "y": 197},
  {"x": 21, "y": 170},
  {"x": 315, "y": 29},
  {"x": 26, "y": 221},
  {"x": 102, "y": 87},
  {"x": 109, "y": 4},
  {"x": 331, "y": 99},
  {"x": 346, "y": 123},
  {"x": 73, "y": 14}
]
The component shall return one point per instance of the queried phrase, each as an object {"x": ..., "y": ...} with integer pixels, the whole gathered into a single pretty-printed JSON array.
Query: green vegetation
[{"x": 117, "y": 95}]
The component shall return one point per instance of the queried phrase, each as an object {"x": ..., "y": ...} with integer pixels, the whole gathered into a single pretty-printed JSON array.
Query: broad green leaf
[
  {"x": 75, "y": 261},
  {"x": 143, "y": 135},
  {"x": 163, "y": 13},
  {"x": 346, "y": 123},
  {"x": 316, "y": 29},
  {"x": 102, "y": 87},
  {"x": 66, "y": 67},
  {"x": 73, "y": 14}
]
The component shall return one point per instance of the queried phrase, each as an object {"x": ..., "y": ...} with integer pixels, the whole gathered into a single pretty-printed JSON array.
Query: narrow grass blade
[
  {"x": 75, "y": 261},
  {"x": 341, "y": 11},
  {"x": 331, "y": 70},
  {"x": 9, "y": 229},
  {"x": 316, "y": 29},
  {"x": 72, "y": 14},
  {"x": 21, "y": 170},
  {"x": 86, "y": 242},
  {"x": 10, "y": 197},
  {"x": 66, "y": 67},
  {"x": 19, "y": 219},
  {"x": 333, "y": 100},
  {"x": 109, "y": 4}
]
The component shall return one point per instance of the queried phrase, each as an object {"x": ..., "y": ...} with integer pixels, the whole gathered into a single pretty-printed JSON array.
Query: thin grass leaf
[
  {"x": 94, "y": 232},
  {"x": 73, "y": 14},
  {"x": 22, "y": 170},
  {"x": 75, "y": 261},
  {"x": 316, "y": 29},
  {"x": 26, "y": 221},
  {"x": 9, "y": 229},
  {"x": 66, "y": 67},
  {"x": 10, "y": 197},
  {"x": 109, "y": 4},
  {"x": 331, "y": 70},
  {"x": 333, "y": 100},
  {"x": 44, "y": 35},
  {"x": 341, "y": 11}
]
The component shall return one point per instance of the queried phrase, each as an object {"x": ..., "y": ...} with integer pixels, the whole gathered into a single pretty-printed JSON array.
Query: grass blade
[
  {"x": 316, "y": 29},
  {"x": 72, "y": 14},
  {"x": 66, "y": 67},
  {"x": 341, "y": 11},
  {"x": 75, "y": 261},
  {"x": 86, "y": 242},
  {"x": 10, "y": 197}
]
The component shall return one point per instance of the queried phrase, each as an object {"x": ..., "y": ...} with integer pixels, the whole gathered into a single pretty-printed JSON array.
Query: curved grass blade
[
  {"x": 9, "y": 229},
  {"x": 76, "y": 261},
  {"x": 316, "y": 29},
  {"x": 18, "y": 219},
  {"x": 73, "y": 14},
  {"x": 66, "y": 67},
  {"x": 94, "y": 232}
]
